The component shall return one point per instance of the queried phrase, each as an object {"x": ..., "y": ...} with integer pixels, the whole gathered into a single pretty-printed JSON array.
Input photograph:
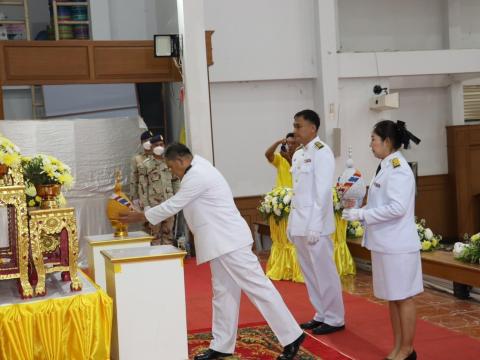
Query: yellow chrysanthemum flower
[
  {"x": 66, "y": 179},
  {"x": 11, "y": 159},
  {"x": 359, "y": 231},
  {"x": 426, "y": 245},
  {"x": 32, "y": 203}
]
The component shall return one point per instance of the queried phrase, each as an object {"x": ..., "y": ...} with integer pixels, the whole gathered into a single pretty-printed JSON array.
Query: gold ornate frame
[
  {"x": 51, "y": 222},
  {"x": 15, "y": 196}
]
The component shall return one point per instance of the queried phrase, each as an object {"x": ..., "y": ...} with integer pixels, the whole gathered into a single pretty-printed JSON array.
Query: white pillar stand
[
  {"x": 97, "y": 243},
  {"x": 147, "y": 285}
]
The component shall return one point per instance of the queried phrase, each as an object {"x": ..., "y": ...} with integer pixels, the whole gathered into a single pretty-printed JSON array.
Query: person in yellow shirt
[
  {"x": 282, "y": 263},
  {"x": 282, "y": 160}
]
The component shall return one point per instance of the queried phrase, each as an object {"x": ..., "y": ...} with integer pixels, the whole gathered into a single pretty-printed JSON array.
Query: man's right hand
[{"x": 131, "y": 217}]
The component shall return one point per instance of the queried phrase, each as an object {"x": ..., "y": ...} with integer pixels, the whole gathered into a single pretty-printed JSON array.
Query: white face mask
[
  {"x": 147, "y": 146},
  {"x": 158, "y": 150}
]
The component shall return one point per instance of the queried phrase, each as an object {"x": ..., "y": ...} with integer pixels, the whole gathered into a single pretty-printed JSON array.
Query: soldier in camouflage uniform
[
  {"x": 135, "y": 164},
  {"x": 157, "y": 184}
]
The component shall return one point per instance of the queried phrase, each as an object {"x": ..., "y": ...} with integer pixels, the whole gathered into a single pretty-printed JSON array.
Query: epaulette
[
  {"x": 318, "y": 145},
  {"x": 395, "y": 162}
]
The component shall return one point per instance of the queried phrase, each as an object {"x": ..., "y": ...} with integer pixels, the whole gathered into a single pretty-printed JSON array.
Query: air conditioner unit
[{"x": 385, "y": 102}]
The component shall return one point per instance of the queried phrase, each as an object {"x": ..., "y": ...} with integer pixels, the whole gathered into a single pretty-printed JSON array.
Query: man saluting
[{"x": 222, "y": 238}]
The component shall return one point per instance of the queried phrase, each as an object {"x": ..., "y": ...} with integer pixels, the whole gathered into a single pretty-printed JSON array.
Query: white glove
[
  {"x": 353, "y": 214},
  {"x": 313, "y": 237}
]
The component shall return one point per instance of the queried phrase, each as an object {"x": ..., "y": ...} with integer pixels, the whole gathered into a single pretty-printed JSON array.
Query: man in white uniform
[
  {"x": 311, "y": 223},
  {"x": 223, "y": 238}
]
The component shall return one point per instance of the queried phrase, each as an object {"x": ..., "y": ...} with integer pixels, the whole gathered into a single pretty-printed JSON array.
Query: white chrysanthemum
[
  {"x": 428, "y": 234},
  {"x": 458, "y": 249},
  {"x": 277, "y": 211},
  {"x": 287, "y": 199}
]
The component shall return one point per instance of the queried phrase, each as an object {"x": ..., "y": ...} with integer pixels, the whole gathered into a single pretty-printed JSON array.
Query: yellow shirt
[{"x": 284, "y": 177}]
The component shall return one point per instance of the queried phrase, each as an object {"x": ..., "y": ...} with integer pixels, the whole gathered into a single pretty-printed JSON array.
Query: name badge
[
  {"x": 308, "y": 160},
  {"x": 376, "y": 184}
]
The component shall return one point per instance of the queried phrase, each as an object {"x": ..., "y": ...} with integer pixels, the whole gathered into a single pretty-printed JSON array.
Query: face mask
[
  {"x": 147, "y": 146},
  {"x": 158, "y": 150}
]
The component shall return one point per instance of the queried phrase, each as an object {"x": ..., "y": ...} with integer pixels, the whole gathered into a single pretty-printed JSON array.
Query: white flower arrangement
[
  {"x": 468, "y": 252},
  {"x": 276, "y": 203},
  {"x": 428, "y": 239}
]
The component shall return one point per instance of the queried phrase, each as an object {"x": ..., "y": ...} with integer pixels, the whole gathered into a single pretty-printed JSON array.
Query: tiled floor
[{"x": 434, "y": 306}]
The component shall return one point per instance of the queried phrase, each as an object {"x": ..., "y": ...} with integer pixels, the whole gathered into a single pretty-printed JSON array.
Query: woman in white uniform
[{"x": 391, "y": 233}]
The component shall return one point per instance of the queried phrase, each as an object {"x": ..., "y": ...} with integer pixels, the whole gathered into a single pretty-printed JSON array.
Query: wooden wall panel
[
  {"x": 82, "y": 62},
  {"x": 434, "y": 203},
  {"x": 27, "y": 63},
  {"x": 131, "y": 62},
  {"x": 248, "y": 209},
  {"x": 463, "y": 158}
]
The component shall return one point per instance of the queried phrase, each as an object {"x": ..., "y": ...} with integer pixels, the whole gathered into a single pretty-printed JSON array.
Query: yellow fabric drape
[
  {"x": 282, "y": 263},
  {"x": 343, "y": 258},
  {"x": 75, "y": 328}
]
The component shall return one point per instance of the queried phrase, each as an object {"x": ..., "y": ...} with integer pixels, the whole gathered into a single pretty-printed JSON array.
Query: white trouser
[
  {"x": 321, "y": 278},
  {"x": 237, "y": 271}
]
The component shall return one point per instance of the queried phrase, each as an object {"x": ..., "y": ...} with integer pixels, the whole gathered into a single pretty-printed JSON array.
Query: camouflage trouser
[{"x": 163, "y": 232}]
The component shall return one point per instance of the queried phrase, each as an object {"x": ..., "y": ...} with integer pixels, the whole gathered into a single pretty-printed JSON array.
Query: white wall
[
  {"x": 356, "y": 122},
  {"x": 17, "y": 104},
  {"x": 378, "y": 25},
  {"x": 247, "y": 118},
  {"x": 261, "y": 40},
  {"x": 167, "y": 16},
  {"x": 426, "y": 113},
  {"x": 128, "y": 19},
  {"x": 469, "y": 25}
]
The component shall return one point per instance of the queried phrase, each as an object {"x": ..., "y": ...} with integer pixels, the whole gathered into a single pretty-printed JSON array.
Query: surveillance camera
[{"x": 378, "y": 89}]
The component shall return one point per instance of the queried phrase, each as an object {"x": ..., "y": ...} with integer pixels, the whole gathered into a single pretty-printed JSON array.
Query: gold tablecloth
[
  {"x": 282, "y": 263},
  {"x": 76, "y": 327},
  {"x": 341, "y": 254}
]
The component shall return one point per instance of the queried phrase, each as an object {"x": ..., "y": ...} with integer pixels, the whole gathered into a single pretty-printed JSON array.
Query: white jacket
[
  {"x": 389, "y": 213},
  {"x": 210, "y": 212},
  {"x": 313, "y": 168}
]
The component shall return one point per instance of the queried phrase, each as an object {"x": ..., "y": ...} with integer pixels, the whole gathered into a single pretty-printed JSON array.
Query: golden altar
[{"x": 38, "y": 242}]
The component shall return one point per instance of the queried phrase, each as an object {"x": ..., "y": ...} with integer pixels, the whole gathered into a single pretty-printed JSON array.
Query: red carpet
[{"x": 368, "y": 333}]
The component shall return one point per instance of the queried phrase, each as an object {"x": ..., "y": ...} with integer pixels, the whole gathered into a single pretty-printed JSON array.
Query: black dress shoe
[
  {"x": 211, "y": 354},
  {"x": 326, "y": 329},
  {"x": 412, "y": 356},
  {"x": 290, "y": 350},
  {"x": 312, "y": 324}
]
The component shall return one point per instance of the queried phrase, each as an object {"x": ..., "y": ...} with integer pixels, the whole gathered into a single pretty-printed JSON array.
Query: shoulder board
[
  {"x": 318, "y": 145},
  {"x": 395, "y": 162}
]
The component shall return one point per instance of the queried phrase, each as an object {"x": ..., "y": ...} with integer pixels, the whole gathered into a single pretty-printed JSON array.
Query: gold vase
[
  {"x": 49, "y": 194},
  {"x": 118, "y": 203}
]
